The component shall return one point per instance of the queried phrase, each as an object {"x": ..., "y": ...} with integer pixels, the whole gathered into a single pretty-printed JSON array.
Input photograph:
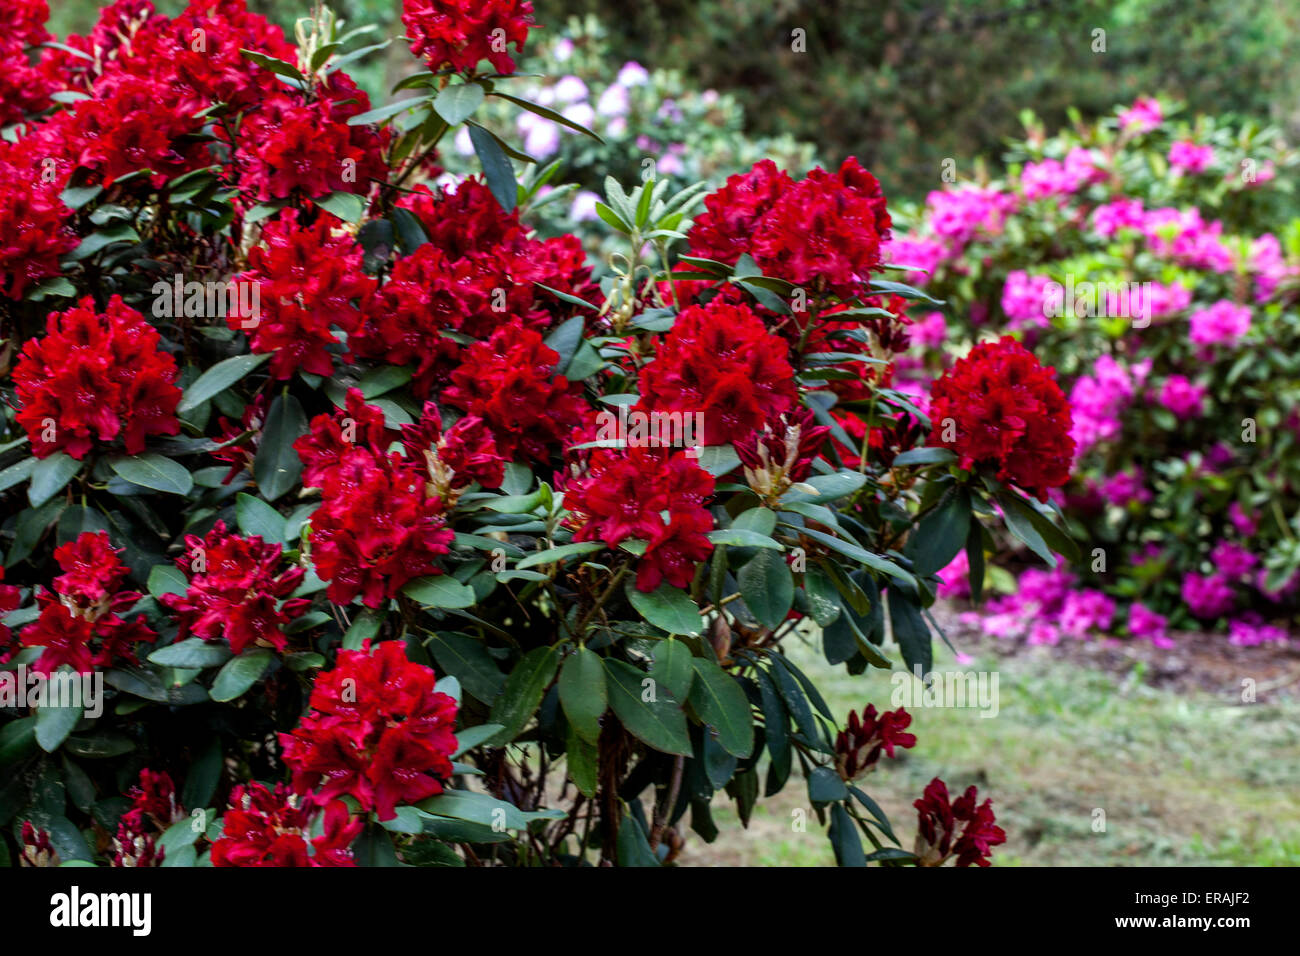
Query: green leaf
[
  {"x": 49, "y": 476},
  {"x": 470, "y": 737},
  {"x": 167, "y": 579},
  {"x": 633, "y": 847},
  {"x": 93, "y": 243},
  {"x": 440, "y": 590},
  {"x": 825, "y": 786},
  {"x": 910, "y": 631},
  {"x": 718, "y": 460},
  {"x": 721, "y": 703},
  {"x": 658, "y": 722},
  {"x": 364, "y": 627},
  {"x": 217, "y": 379},
  {"x": 467, "y": 659},
  {"x": 942, "y": 533},
  {"x": 738, "y": 537},
  {"x": 666, "y": 607},
  {"x": 381, "y": 113},
  {"x": 925, "y": 456},
  {"x": 17, "y": 740},
  {"x": 455, "y": 104},
  {"x": 549, "y": 114},
  {"x": 255, "y": 517},
  {"x": 522, "y": 693},
  {"x": 279, "y": 67},
  {"x": 554, "y": 555},
  {"x": 240, "y": 673},
  {"x": 850, "y": 550},
  {"x": 347, "y": 206},
  {"x": 582, "y": 761},
  {"x": 767, "y": 587},
  {"x": 53, "y": 724},
  {"x": 672, "y": 669},
  {"x": 17, "y": 474},
  {"x": 496, "y": 167},
  {"x": 277, "y": 466},
  {"x": 151, "y": 470},
  {"x": 1019, "y": 523},
  {"x": 845, "y": 839},
  {"x": 583, "y": 693},
  {"x": 193, "y": 652}
]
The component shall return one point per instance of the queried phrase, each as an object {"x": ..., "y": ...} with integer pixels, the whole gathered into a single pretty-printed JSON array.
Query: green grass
[{"x": 1182, "y": 778}]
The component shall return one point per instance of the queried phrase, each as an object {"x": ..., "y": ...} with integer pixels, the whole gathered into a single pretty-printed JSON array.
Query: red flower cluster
[
  {"x": 93, "y": 377},
  {"x": 86, "y": 609},
  {"x": 289, "y": 145},
  {"x": 23, "y": 88},
  {"x": 378, "y": 526},
  {"x": 780, "y": 453},
  {"x": 10, "y": 597},
  {"x": 859, "y": 745},
  {"x": 937, "y": 838},
  {"x": 719, "y": 360},
  {"x": 153, "y": 809},
  {"x": 479, "y": 272},
  {"x": 236, "y": 591},
  {"x": 460, "y": 33},
  {"x": 998, "y": 406},
  {"x": 462, "y": 454},
  {"x": 823, "y": 233},
  {"x": 378, "y": 732},
  {"x": 621, "y": 497},
  {"x": 309, "y": 278},
  {"x": 509, "y": 381},
  {"x": 34, "y": 230},
  {"x": 266, "y": 827}
]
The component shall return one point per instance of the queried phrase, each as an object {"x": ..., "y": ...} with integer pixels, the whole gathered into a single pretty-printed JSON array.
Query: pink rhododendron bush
[
  {"x": 1150, "y": 260},
  {"x": 347, "y": 521}
]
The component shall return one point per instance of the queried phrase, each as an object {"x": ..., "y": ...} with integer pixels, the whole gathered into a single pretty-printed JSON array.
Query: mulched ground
[{"x": 1199, "y": 661}]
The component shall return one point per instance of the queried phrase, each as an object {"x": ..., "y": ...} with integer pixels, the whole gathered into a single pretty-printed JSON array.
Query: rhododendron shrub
[
  {"x": 1148, "y": 259},
  {"x": 373, "y": 530}
]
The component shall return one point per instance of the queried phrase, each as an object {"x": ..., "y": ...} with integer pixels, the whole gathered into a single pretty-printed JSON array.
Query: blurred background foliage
[{"x": 904, "y": 84}]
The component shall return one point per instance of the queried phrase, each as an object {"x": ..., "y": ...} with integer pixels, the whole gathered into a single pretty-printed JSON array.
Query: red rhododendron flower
[
  {"x": 509, "y": 381},
  {"x": 378, "y": 525},
  {"x": 460, "y": 33},
  {"x": 236, "y": 591},
  {"x": 377, "y": 731},
  {"x": 463, "y": 454},
  {"x": 36, "y": 847},
  {"x": 859, "y": 745},
  {"x": 479, "y": 272},
  {"x": 780, "y": 453},
  {"x": 309, "y": 278},
  {"x": 34, "y": 230},
  {"x": 10, "y": 596},
  {"x": 999, "y": 407},
  {"x": 269, "y": 828},
  {"x": 937, "y": 838},
  {"x": 85, "y": 610},
  {"x": 287, "y": 145},
  {"x": 823, "y": 233},
  {"x": 623, "y": 494},
  {"x": 719, "y": 360},
  {"x": 95, "y": 377}
]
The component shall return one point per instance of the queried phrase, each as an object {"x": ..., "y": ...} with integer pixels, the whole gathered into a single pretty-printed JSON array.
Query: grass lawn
[{"x": 1183, "y": 777}]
